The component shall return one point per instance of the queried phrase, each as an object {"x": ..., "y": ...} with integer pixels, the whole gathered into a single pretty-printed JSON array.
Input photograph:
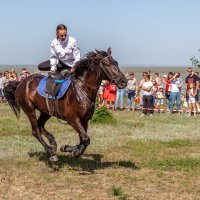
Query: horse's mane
[{"x": 88, "y": 62}]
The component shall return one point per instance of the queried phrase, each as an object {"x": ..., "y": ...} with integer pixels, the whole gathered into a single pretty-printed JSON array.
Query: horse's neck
[{"x": 90, "y": 83}]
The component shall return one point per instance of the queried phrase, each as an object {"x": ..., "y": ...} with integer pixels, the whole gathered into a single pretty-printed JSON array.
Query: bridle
[
  {"x": 104, "y": 68},
  {"x": 112, "y": 79}
]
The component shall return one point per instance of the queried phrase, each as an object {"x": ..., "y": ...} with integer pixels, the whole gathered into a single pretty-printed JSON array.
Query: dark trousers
[
  {"x": 45, "y": 66},
  {"x": 147, "y": 104}
]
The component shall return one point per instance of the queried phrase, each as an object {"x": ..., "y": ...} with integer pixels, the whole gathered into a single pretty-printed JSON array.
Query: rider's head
[{"x": 61, "y": 32}]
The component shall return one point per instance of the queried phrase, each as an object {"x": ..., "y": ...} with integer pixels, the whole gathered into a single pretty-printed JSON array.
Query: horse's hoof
[
  {"x": 62, "y": 148},
  {"x": 75, "y": 154},
  {"x": 53, "y": 158}
]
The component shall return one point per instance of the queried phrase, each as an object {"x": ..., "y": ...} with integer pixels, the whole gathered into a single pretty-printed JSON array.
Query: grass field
[{"x": 133, "y": 158}]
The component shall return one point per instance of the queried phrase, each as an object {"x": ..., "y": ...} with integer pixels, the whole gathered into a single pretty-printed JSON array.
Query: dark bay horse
[{"x": 76, "y": 107}]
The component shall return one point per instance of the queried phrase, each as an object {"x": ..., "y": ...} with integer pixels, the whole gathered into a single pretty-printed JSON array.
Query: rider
[{"x": 64, "y": 52}]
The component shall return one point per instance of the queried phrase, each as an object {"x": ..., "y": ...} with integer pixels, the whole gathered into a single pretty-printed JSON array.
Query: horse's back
[{"x": 27, "y": 88}]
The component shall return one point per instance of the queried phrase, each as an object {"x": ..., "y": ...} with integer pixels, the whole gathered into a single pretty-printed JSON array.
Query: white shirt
[
  {"x": 2, "y": 81},
  {"x": 131, "y": 84},
  {"x": 175, "y": 83},
  {"x": 146, "y": 85},
  {"x": 67, "y": 51}
]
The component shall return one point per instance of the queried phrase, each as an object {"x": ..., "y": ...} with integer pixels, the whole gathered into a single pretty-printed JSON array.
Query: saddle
[
  {"x": 54, "y": 89},
  {"x": 53, "y": 86}
]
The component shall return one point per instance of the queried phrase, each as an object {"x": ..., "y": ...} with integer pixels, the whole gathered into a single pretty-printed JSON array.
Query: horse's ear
[
  {"x": 97, "y": 51},
  {"x": 109, "y": 51}
]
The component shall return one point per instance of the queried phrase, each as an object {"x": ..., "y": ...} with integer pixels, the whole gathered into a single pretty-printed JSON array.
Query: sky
[{"x": 139, "y": 32}]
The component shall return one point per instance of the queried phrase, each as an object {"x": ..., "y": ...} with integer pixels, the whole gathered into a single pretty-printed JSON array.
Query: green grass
[
  {"x": 118, "y": 192},
  {"x": 126, "y": 157}
]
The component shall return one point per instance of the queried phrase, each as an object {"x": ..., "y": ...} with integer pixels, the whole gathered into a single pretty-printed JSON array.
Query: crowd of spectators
[
  {"x": 11, "y": 75},
  {"x": 150, "y": 93},
  {"x": 153, "y": 92}
]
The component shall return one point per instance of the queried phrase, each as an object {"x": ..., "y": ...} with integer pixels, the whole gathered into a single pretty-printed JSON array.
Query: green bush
[{"x": 102, "y": 116}]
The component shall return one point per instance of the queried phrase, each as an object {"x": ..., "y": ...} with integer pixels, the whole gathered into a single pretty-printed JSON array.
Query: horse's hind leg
[
  {"x": 41, "y": 123},
  {"x": 36, "y": 132}
]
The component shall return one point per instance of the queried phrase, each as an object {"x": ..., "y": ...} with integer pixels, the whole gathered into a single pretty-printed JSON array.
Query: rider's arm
[
  {"x": 76, "y": 52},
  {"x": 54, "y": 57}
]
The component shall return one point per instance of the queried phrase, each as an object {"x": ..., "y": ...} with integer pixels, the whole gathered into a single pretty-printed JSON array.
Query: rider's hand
[{"x": 72, "y": 69}]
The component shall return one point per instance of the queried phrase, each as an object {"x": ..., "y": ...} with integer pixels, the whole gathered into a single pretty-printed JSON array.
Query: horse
[{"x": 76, "y": 106}]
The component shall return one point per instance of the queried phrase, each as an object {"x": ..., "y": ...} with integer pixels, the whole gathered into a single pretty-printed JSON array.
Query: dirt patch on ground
[{"x": 40, "y": 181}]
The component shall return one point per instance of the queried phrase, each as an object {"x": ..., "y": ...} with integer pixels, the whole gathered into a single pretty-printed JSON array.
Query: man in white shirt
[{"x": 64, "y": 52}]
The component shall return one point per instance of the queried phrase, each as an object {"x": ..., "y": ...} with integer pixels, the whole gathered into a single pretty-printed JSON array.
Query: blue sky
[{"x": 140, "y": 32}]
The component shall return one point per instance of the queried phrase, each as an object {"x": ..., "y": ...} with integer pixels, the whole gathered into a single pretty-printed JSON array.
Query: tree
[{"x": 195, "y": 61}]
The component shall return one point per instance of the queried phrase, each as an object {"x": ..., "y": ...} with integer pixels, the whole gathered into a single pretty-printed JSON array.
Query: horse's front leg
[{"x": 78, "y": 150}]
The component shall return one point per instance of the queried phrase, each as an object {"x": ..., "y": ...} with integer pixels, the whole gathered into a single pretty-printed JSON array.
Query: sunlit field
[{"x": 131, "y": 158}]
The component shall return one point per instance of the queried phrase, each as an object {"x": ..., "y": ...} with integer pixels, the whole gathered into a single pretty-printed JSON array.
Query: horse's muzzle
[{"x": 122, "y": 83}]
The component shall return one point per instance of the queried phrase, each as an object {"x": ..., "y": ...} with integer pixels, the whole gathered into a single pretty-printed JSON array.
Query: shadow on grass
[{"x": 87, "y": 162}]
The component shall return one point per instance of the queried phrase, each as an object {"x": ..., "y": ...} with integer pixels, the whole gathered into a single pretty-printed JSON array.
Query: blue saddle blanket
[{"x": 62, "y": 91}]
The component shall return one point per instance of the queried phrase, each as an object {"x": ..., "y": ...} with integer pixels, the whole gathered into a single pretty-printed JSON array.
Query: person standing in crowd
[
  {"x": 158, "y": 80},
  {"x": 168, "y": 88},
  {"x": 147, "y": 97},
  {"x": 110, "y": 95},
  {"x": 154, "y": 89},
  {"x": 197, "y": 103},
  {"x": 132, "y": 90},
  {"x": 120, "y": 98},
  {"x": 13, "y": 76},
  {"x": 149, "y": 73},
  {"x": 64, "y": 51},
  {"x": 6, "y": 75},
  {"x": 2, "y": 82},
  {"x": 192, "y": 78},
  {"x": 181, "y": 81},
  {"x": 101, "y": 92},
  {"x": 159, "y": 98},
  {"x": 23, "y": 74},
  {"x": 141, "y": 90},
  {"x": 175, "y": 92},
  {"x": 191, "y": 99}
]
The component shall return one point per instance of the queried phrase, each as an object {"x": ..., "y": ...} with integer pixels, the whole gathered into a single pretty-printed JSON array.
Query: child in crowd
[
  {"x": 191, "y": 100},
  {"x": 109, "y": 95},
  {"x": 159, "y": 98},
  {"x": 101, "y": 93}
]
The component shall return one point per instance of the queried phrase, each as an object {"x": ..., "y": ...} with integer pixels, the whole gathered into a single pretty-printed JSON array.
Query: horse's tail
[{"x": 9, "y": 93}]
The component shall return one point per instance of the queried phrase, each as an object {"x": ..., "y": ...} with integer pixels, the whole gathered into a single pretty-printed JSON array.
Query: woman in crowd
[
  {"x": 147, "y": 96},
  {"x": 141, "y": 90},
  {"x": 2, "y": 82},
  {"x": 175, "y": 92},
  {"x": 120, "y": 98},
  {"x": 132, "y": 91},
  {"x": 168, "y": 89}
]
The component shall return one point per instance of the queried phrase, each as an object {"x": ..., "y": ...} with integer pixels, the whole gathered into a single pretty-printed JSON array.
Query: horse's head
[{"x": 110, "y": 69}]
